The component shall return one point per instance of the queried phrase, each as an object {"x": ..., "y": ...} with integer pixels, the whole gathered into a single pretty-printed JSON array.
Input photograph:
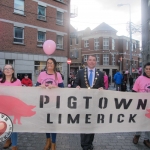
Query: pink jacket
[{"x": 106, "y": 82}]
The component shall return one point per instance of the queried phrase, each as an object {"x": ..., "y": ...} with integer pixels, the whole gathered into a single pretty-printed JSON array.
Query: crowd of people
[{"x": 89, "y": 78}]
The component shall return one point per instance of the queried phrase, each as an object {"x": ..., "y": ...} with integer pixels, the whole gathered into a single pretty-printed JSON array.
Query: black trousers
[{"x": 86, "y": 141}]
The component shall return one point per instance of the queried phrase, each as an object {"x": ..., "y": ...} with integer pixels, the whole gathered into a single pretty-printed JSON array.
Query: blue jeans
[
  {"x": 52, "y": 136},
  {"x": 118, "y": 87},
  {"x": 13, "y": 137}
]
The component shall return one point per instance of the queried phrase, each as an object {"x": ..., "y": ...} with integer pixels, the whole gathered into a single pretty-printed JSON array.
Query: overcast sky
[{"x": 91, "y": 13}]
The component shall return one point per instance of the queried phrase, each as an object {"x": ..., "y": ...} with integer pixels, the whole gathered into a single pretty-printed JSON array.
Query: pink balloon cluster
[{"x": 49, "y": 47}]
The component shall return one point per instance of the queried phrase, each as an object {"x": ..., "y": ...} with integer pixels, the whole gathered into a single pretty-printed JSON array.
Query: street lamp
[
  {"x": 69, "y": 62},
  {"x": 119, "y": 5}
]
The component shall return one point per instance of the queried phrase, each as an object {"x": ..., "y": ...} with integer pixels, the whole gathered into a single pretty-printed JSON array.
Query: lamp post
[
  {"x": 130, "y": 35},
  {"x": 69, "y": 62},
  {"x": 119, "y": 65}
]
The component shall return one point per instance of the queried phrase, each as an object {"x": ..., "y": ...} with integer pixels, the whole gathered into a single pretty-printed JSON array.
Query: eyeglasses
[
  {"x": 7, "y": 69},
  {"x": 51, "y": 63}
]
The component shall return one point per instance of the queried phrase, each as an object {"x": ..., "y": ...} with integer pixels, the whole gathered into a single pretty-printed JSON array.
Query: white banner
[{"x": 68, "y": 110}]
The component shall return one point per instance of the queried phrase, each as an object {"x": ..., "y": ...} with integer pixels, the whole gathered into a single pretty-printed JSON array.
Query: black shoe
[
  {"x": 147, "y": 143},
  {"x": 136, "y": 139},
  {"x": 91, "y": 148}
]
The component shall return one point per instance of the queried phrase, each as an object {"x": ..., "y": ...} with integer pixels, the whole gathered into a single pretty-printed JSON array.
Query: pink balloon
[{"x": 49, "y": 47}]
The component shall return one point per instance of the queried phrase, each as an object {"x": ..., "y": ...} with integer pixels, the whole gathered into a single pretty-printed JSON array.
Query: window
[
  {"x": 60, "y": 0},
  {"x": 75, "y": 54},
  {"x": 134, "y": 46},
  {"x": 59, "y": 17},
  {"x": 41, "y": 38},
  {"x": 85, "y": 58},
  {"x": 10, "y": 62},
  {"x": 96, "y": 44},
  {"x": 86, "y": 43},
  {"x": 77, "y": 41},
  {"x": 113, "y": 60},
  {"x": 19, "y": 6},
  {"x": 113, "y": 44},
  {"x": 148, "y": 2},
  {"x": 137, "y": 44},
  {"x": 41, "y": 12},
  {"x": 18, "y": 35},
  {"x": 97, "y": 58},
  {"x": 106, "y": 43},
  {"x": 105, "y": 59},
  {"x": 127, "y": 45},
  {"x": 70, "y": 41},
  {"x": 39, "y": 66},
  {"x": 59, "y": 42}
]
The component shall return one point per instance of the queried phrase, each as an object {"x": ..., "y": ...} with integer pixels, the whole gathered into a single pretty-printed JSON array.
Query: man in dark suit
[{"x": 89, "y": 78}]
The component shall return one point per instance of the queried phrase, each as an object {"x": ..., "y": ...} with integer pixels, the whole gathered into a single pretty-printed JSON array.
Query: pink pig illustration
[
  {"x": 12, "y": 106},
  {"x": 148, "y": 114}
]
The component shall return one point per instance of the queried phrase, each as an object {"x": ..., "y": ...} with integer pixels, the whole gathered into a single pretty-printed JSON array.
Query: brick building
[
  {"x": 111, "y": 51},
  {"x": 75, "y": 50},
  {"x": 25, "y": 25}
]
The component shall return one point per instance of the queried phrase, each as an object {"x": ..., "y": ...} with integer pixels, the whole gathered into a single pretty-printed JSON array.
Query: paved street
[{"x": 113, "y": 141}]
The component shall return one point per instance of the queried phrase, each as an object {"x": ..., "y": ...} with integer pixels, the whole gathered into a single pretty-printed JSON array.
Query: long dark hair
[
  {"x": 13, "y": 78},
  {"x": 55, "y": 65}
]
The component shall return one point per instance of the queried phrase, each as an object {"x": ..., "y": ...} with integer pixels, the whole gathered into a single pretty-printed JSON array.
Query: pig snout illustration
[{"x": 12, "y": 106}]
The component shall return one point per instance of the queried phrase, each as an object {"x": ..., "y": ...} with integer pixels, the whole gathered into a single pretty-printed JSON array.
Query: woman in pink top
[
  {"x": 142, "y": 85},
  {"x": 50, "y": 79},
  {"x": 9, "y": 79},
  {"x": 105, "y": 81}
]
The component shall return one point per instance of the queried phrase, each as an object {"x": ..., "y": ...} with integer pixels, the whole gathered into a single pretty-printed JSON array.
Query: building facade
[
  {"x": 145, "y": 6},
  {"x": 75, "y": 50},
  {"x": 25, "y": 25},
  {"x": 111, "y": 51}
]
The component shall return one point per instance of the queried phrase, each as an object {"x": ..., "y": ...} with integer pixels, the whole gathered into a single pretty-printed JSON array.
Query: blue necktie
[{"x": 91, "y": 77}]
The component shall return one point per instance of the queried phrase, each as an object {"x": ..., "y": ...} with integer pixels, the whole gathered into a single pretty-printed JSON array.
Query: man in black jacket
[{"x": 89, "y": 78}]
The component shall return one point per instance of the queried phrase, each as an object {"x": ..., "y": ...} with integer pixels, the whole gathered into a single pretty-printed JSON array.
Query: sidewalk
[{"x": 113, "y": 141}]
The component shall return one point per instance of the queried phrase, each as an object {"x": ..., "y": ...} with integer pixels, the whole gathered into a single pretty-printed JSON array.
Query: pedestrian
[
  {"x": 105, "y": 81},
  {"x": 123, "y": 86},
  {"x": 1, "y": 73},
  {"x": 131, "y": 81},
  {"x": 26, "y": 81},
  {"x": 72, "y": 80},
  {"x": 141, "y": 85},
  {"x": 125, "y": 77},
  {"x": 9, "y": 79},
  {"x": 61, "y": 74},
  {"x": 50, "y": 79},
  {"x": 89, "y": 78},
  {"x": 118, "y": 78}
]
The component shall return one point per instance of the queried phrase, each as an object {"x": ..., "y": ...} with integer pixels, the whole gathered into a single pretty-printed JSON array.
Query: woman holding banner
[
  {"x": 142, "y": 84},
  {"x": 9, "y": 79},
  {"x": 50, "y": 79}
]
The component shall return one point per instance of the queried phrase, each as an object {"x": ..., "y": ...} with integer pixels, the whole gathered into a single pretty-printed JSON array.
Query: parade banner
[{"x": 72, "y": 110}]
